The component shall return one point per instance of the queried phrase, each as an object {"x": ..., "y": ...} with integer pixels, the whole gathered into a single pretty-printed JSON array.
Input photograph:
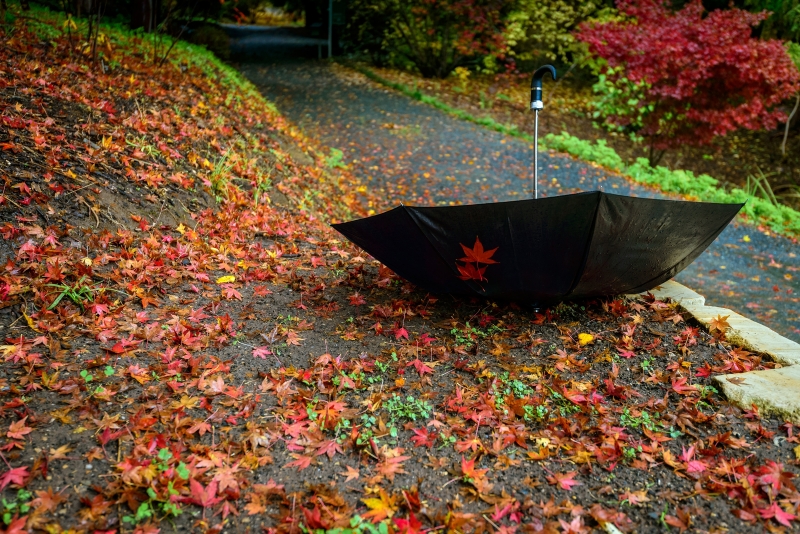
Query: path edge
[{"x": 773, "y": 391}]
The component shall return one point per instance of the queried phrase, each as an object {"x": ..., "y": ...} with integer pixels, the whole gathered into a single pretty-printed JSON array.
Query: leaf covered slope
[{"x": 186, "y": 342}]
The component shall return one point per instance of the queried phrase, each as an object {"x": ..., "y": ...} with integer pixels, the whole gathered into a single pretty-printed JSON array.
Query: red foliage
[{"x": 706, "y": 75}]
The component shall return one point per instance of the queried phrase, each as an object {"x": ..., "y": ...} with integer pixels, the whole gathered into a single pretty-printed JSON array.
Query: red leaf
[
  {"x": 776, "y": 512},
  {"x": 420, "y": 366},
  {"x": 16, "y": 476},
  {"x": 476, "y": 254},
  {"x": 204, "y": 497},
  {"x": 564, "y": 480}
]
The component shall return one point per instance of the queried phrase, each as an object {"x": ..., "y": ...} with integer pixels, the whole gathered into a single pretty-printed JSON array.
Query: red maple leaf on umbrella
[
  {"x": 474, "y": 257},
  {"x": 476, "y": 254}
]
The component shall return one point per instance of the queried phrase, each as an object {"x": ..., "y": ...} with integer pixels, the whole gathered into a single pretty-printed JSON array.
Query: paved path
[{"x": 423, "y": 156}]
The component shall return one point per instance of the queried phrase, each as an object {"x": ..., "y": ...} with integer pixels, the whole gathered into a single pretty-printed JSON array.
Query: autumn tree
[
  {"x": 436, "y": 36},
  {"x": 684, "y": 77}
]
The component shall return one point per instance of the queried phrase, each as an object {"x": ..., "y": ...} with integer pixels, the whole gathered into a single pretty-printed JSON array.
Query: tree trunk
[
  {"x": 144, "y": 14},
  {"x": 655, "y": 155}
]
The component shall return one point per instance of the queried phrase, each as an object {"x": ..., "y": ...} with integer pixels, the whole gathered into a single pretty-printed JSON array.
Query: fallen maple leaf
[
  {"x": 420, "y": 366},
  {"x": 16, "y": 475},
  {"x": 564, "y": 480},
  {"x": 261, "y": 352},
  {"x": 380, "y": 508},
  {"x": 719, "y": 323},
  {"x": 412, "y": 525},
  {"x": 679, "y": 386},
  {"x": 17, "y": 526},
  {"x": 778, "y": 514},
  {"x": 18, "y": 429},
  {"x": 205, "y": 497},
  {"x": 300, "y": 462},
  {"x": 350, "y": 474}
]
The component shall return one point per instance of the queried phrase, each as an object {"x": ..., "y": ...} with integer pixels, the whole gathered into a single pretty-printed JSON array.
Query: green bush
[{"x": 779, "y": 218}]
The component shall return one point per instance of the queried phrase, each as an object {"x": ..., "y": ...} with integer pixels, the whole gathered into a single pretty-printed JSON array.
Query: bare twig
[{"x": 788, "y": 122}]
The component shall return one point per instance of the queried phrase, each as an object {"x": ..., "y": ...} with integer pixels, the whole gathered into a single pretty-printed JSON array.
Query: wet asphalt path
[{"x": 422, "y": 156}]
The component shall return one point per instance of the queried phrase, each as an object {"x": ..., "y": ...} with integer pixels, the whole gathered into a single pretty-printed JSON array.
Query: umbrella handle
[
  {"x": 536, "y": 105},
  {"x": 536, "y": 84}
]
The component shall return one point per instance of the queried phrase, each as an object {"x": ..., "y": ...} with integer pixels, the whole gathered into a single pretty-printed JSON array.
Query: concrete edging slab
[{"x": 773, "y": 391}]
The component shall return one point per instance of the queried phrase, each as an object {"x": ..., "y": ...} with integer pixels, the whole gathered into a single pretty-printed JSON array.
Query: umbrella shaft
[{"x": 536, "y": 156}]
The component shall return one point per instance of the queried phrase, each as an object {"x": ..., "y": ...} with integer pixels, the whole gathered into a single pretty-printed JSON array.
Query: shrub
[
  {"x": 543, "y": 28},
  {"x": 702, "y": 75},
  {"x": 436, "y": 36}
]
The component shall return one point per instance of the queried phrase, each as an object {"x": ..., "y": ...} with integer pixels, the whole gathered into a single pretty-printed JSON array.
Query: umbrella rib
[{"x": 582, "y": 268}]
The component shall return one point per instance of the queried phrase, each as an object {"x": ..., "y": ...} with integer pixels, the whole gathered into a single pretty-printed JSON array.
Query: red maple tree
[{"x": 702, "y": 74}]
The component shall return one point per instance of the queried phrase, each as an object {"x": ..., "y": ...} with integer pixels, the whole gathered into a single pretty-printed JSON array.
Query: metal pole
[
  {"x": 536, "y": 156},
  {"x": 330, "y": 28}
]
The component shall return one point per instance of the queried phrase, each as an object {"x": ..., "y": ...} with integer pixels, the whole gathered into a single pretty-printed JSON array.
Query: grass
[{"x": 760, "y": 207}]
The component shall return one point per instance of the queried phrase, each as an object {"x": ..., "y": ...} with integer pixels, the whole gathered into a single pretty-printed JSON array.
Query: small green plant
[
  {"x": 357, "y": 526},
  {"x": 16, "y": 507},
  {"x": 79, "y": 293},
  {"x": 335, "y": 160},
  {"x": 647, "y": 364},
  {"x": 564, "y": 406},
  {"x": 759, "y": 186},
  {"x": 220, "y": 177},
  {"x": 629, "y": 453},
  {"x": 506, "y": 386},
  {"x": 535, "y": 413},
  {"x": 160, "y": 501},
  {"x": 410, "y": 408},
  {"x": 644, "y": 420},
  {"x": 141, "y": 144},
  {"x": 367, "y": 431}
]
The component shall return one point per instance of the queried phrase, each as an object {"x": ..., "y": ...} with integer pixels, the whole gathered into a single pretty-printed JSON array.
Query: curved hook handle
[{"x": 536, "y": 85}]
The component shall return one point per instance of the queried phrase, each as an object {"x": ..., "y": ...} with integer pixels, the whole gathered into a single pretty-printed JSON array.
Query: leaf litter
[{"x": 236, "y": 365}]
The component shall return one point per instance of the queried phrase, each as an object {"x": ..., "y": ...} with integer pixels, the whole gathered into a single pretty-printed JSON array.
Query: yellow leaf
[
  {"x": 106, "y": 142},
  {"x": 30, "y": 322},
  {"x": 181, "y": 229},
  {"x": 746, "y": 239},
  {"x": 797, "y": 452},
  {"x": 227, "y": 279},
  {"x": 87, "y": 261},
  {"x": 585, "y": 339}
]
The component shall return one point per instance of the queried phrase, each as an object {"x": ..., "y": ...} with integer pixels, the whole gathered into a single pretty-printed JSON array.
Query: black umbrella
[{"x": 542, "y": 250}]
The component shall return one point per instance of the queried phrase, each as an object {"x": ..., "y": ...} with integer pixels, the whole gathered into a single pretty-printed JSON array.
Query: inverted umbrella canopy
[{"x": 545, "y": 250}]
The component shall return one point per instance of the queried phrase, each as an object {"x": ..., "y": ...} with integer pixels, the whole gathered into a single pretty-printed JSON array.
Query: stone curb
[{"x": 773, "y": 391}]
